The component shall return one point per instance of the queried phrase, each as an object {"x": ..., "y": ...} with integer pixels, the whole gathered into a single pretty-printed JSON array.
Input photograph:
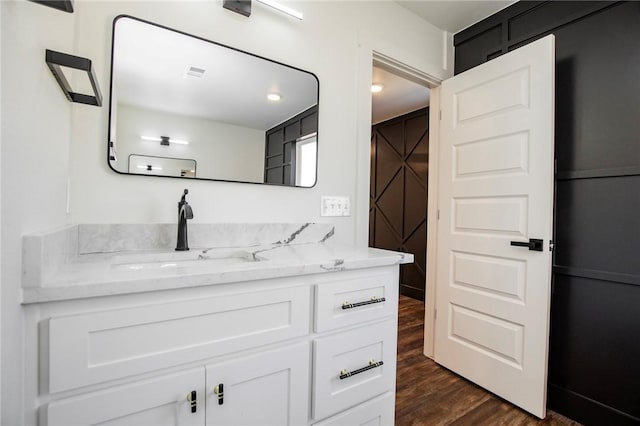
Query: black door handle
[{"x": 534, "y": 244}]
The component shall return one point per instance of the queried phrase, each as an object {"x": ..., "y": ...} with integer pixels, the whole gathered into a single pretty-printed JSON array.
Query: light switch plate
[{"x": 335, "y": 206}]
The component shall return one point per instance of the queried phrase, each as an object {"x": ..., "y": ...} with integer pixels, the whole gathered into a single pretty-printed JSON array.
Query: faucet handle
[
  {"x": 182, "y": 200},
  {"x": 188, "y": 212}
]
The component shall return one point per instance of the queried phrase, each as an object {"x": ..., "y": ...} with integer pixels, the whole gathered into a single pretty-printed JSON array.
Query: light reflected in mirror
[
  {"x": 178, "y": 97},
  {"x": 161, "y": 166}
]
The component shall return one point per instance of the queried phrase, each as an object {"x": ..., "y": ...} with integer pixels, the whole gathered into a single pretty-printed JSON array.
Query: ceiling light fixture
[
  {"x": 282, "y": 8},
  {"x": 164, "y": 140},
  {"x": 376, "y": 88},
  {"x": 243, "y": 7},
  {"x": 64, "y": 5},
  {"x": 274, "y": 97}
]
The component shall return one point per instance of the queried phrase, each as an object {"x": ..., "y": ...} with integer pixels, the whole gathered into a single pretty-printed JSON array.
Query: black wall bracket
[{"x": 55, "y": 60}]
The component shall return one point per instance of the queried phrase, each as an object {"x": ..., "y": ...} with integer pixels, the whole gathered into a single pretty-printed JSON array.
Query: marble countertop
[{"x": 135, "y": 271}]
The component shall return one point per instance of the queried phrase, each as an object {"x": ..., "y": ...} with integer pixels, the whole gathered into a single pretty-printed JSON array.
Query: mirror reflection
[
  {"x": 177, "y": 99},
  {"x": 160, "y": 166}
]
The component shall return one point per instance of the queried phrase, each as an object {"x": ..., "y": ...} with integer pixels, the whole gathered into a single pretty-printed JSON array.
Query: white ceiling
[
  {"x": 150, "y": 66},
  {"x": 454, "y": 15},
  {"x": 399, "y": 96}
]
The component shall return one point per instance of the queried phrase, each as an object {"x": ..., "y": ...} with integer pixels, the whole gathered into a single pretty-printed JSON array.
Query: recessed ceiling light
[
  {"x": 376, "y": 88},
  {"x": 274, "y": 97}
]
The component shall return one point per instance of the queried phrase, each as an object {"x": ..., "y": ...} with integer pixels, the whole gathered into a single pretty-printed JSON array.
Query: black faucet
[{"x": 184, "y": 213}]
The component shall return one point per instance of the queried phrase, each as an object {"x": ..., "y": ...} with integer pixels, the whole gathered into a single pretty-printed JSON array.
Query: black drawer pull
[
  {"x": 534, "y": 244},
  {"x": 372, "y": 364},
  {"x": 347, "y": 305}
]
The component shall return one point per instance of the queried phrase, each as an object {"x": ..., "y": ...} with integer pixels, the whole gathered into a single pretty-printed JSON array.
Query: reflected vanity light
[
  {"x": 282, "y": 8},
  {"x": 148, "y": 167},
  {"x": 164, "y": 140},
  {"x": 274, "y": 97},
  {"x": 376, "y": 88}
]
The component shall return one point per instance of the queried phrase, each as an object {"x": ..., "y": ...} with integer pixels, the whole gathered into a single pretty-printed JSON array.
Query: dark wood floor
[{"x": 427, "y": 394}]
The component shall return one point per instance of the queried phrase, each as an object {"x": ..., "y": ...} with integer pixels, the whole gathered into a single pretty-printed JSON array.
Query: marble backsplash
[
  {"x": 123, "y": 237},
  {"x": 44, "y": 252}
]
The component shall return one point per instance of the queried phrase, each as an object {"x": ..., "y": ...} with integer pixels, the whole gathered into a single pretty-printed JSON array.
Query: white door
[
  {"x": 496, "y": 187},
  {"x": 270, "y": 388},
  {"x": 170, "y": 400}
]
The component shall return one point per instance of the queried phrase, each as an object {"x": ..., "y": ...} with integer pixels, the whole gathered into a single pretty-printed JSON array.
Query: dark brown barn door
[{"x": 398, "y": 207}]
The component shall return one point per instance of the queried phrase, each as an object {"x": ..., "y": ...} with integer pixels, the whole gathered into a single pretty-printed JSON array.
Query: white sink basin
[{"x": 181, "y": 259}]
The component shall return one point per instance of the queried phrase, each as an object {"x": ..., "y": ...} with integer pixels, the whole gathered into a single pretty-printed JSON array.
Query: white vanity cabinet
[
  {"x": 260, "y": 352},
  {"x": 265, "y": 389}
]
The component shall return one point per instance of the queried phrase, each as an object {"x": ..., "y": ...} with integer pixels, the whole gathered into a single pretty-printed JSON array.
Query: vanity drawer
[
  {"x": 365, "y": 358},
  {"x": 100, "y": 346},
  {"x": 344, "y": 303},
  {"x": 379, "y": 411}
]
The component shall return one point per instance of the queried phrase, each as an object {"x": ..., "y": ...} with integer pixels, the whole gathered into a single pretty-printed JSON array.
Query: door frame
[
  {"x": 432, "y": 224},
  {"x": 368, "y": 57}
]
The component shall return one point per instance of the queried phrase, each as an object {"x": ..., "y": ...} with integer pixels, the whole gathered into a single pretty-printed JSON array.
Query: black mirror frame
[{"x": 109, "y": 143}]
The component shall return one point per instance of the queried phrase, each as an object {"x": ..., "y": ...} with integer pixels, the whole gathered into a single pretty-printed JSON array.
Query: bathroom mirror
[{"x": 176, "y": 97}]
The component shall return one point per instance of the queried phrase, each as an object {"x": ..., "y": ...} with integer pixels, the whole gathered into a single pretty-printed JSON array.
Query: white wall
[
  {"x": 325, "y": 43},
  {"x": 0, "y": 222},
  {"x": 36, "y": 131},
  {"x": 46, "y": 139},
  {"x": 222, "y": 151}
]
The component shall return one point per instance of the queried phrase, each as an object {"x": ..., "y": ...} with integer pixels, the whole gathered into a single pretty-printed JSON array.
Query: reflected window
[{"x": 306, "y": 152}]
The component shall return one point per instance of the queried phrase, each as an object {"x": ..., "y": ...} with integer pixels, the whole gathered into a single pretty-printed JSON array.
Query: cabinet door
[
  {"x": 271, "y": 388},
  {"x": 155, "y": 402}
]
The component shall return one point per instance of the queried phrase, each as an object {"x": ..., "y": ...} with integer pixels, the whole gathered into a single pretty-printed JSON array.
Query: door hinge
[
  {"x": 438, "y": 214},
  {"x": 551, "y": 245},
  {"x": 440, "y": 114},
  {"x": 435, "y": 314}
]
